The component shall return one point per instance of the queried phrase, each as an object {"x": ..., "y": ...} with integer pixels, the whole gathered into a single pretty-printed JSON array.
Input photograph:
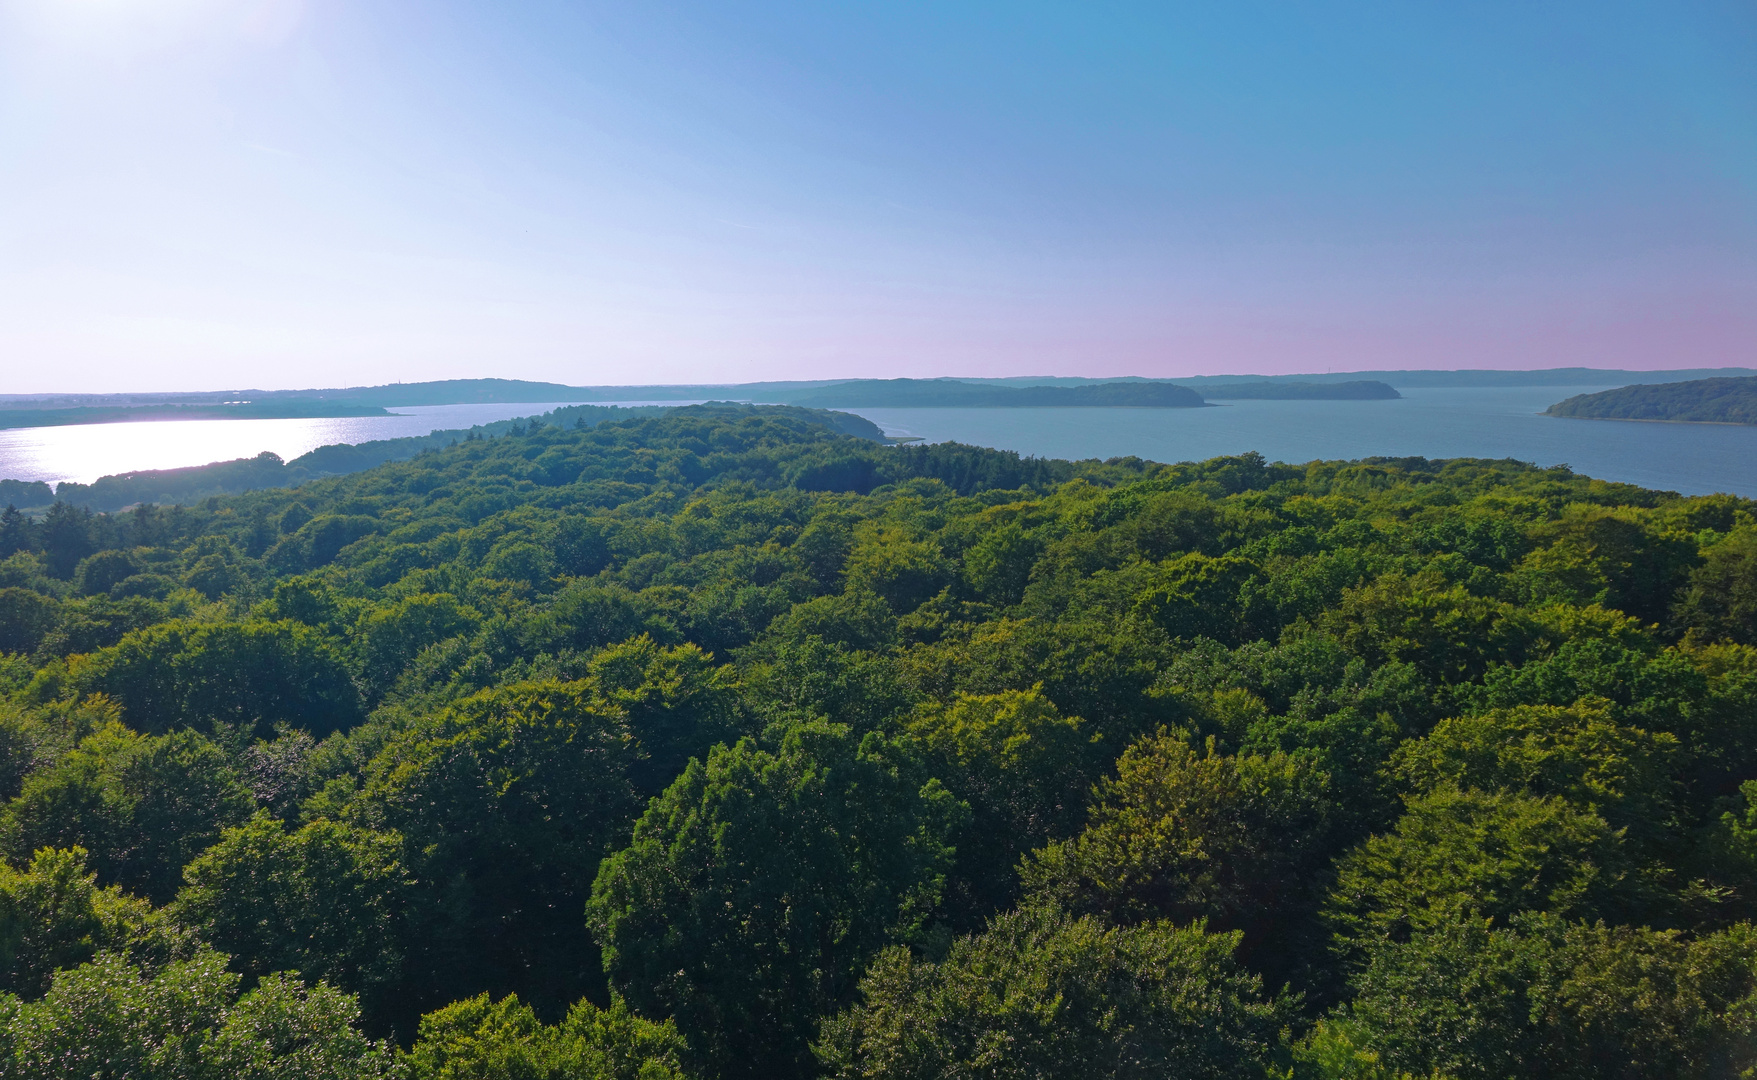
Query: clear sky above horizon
[{"x": 226, "y": 193}]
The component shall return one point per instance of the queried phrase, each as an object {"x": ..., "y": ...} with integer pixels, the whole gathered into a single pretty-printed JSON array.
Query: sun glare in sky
[{"x": 214, "y": 193}]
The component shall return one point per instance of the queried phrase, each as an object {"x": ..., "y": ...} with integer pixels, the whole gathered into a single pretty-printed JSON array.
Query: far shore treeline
[
  {"x": 62, "y": 410},
  {"x": 1698, "y": 401}
]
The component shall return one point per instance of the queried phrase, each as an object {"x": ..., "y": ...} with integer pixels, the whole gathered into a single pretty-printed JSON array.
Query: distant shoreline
[
  {"x": 1645, "y": 420},
  {"x": 1698, "y": 401}
]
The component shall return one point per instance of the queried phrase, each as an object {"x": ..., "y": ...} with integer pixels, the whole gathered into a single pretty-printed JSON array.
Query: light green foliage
[
  {"x": 1200, "y": 596},
  {"x": 1539, "y": 997},
  {"x": 522, "y": 562},
  {"x": 1022, "y": 768},
  {"x": 1489, "y": 854},
  {"x": 758, "y": 885},
  {"x": 325, "y": 901},
  {"x": 897, "y": 567},
  {"x": 108, "y": 1019},
  {"x": 391, "y": 636},
  {"x": 481, "y": 1039},
  {"x": 677, "y": 702},
  {"x": 55, "y": 915},
  {"x": 1442, "y": 629},
  {"x": 1624, "y": 774},
  {"x": 1044, "y": 995},
  {"x": 1239, "y": 841},
  {"x": 142, "y": 805},
  {"x": 999, "y": 564},
  {"x": 282, "y": 1030}
]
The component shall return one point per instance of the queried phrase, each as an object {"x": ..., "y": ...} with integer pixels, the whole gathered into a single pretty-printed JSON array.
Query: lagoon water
[
  {"x": 1491, "y": 422},
  {"x": 1487, "y": 422}
]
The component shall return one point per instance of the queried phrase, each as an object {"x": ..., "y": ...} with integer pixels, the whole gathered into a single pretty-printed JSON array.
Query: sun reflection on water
[{"x": 84, "y": 452}]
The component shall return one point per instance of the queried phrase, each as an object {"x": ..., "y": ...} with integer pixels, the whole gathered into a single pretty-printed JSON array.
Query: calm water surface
[
  {"x": 1489, "y": 422},
  {"x": 1493, "y": 422}
]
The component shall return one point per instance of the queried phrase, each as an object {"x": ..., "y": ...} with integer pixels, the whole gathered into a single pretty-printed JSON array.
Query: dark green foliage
[
  {"x": 504, "y": 803},
  {"x": 143, "y": 806},
  {"x": 325, "y": 901},
  {"x": 104, "y": 571},
  {"x": 1701, "y": 401},
  {"x": 1241, "y": 842},
  {"x": 66, "y": 537},
  {"x": 1720, "y": 603},
  {"x": 244, "y": 677},
  {"x": 1042, "y": 994},
  {"x": 758, "y": 886},
  {"x": 1540, "y": 997},
  {"x": 1457, "y": 757},
  {"x": 15, "y": 529},
  {"x": 26, "y": 617},
  {"x": 1289, "y": 390},
  {"x": 872, "y": 393}
]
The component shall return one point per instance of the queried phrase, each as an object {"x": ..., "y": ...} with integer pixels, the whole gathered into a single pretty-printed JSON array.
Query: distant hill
[
  {"x": 1356, "y": 390},
  {"x": 1699, "y": 401},
  {"x": 955, "y": 393},
  {"x": 810, "y": 392}
]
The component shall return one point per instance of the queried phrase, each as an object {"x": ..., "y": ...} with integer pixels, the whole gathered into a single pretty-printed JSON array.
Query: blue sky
[{"x": 214, "y": 193}]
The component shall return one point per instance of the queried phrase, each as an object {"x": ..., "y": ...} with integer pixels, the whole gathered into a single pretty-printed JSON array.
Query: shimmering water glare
[
  {"x": 1494, "y": 422},
  {"x": 84, "y": 452}
]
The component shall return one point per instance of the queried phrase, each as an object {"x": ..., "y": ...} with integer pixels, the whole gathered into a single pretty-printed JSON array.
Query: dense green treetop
[{"x": 725, "y": 743}]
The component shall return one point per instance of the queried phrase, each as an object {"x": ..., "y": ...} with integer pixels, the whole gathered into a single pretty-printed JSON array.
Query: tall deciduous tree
[
  {"x": 505, "y": 802},
  {"x": 1043, "y": 994},
  {"x": 326, "y": 901},
  {"x": 142, "y": 805},
  {"x": 761, "y": 882}
]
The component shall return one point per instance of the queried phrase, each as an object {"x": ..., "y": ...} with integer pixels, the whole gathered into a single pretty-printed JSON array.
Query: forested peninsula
[
  {"x": 1699, "y": 401},
  {"x": 722, "y": 744},
  {"x": 267, "y": 470}
]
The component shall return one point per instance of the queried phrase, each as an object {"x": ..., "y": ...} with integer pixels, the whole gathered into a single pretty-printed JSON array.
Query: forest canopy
[
  {"x": 722, "y": 744},
  {"x": 1699, "y": 401}
]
